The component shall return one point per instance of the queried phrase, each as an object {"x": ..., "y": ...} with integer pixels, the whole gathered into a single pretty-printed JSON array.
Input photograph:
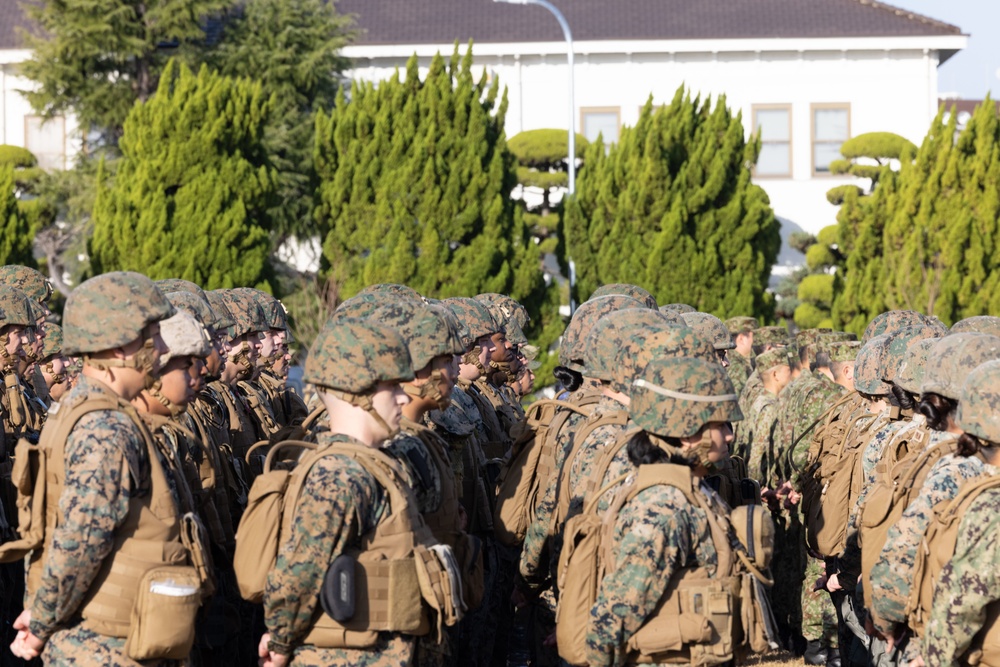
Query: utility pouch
[
  {"x": 163, "y": 617},
  {"x": 337, "y": 595},
  {"x": 195, "y": 538},
  {"x": 750, "y": 491}
]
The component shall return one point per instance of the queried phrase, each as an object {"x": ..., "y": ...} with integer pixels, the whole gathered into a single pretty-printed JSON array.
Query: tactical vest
[
  {"x": 532, "y": 462},
  {"x": 259, "y": 407},
  {"x": 892, "y": 493},
  {"x": 700, "y": 620},
  {"x": 936, "y": 549},
  {"x": 489, "y": 402}
]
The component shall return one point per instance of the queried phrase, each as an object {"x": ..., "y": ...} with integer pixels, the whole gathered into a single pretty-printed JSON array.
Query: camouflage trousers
[
  {"x": 78, "y": 647},
  {"x": 819, "y": 618},
  {"x": 391, "y": 650}
]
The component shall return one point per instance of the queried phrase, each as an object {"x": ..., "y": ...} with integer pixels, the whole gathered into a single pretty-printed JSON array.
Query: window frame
[
  {"x": 791, "y": 154},
  {"x": 813, "y": 108},
  {"x": 617, "y": 111}
]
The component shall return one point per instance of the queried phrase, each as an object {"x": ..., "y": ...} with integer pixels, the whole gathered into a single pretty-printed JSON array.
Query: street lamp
[{"x": 568, "y": 35}]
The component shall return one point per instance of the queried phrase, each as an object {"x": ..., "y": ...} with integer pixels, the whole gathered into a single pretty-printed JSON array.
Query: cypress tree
[
  {"x": 16, "y": 231},
  {"x": 415, "y": 181},
  {"x": 671, "y": 206},
  {"x": 193, "y": 186}
]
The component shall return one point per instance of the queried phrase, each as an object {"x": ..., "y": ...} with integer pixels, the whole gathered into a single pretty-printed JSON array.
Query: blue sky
[{"x": 973, "y": 71}]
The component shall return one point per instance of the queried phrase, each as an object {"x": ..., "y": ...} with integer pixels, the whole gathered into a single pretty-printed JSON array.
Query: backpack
[
  {"x": 833, "y": 477},
  {"x": 936, "y": 549},
  {"x": 532, "y": 461},
  {"x": 892, "y": 493},
  {"x": 680, "y": 628}
]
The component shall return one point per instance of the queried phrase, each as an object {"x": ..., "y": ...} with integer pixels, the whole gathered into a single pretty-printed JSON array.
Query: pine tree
[
  {"x": 96, "y": 58},
  {"x": 16, "y": 230},
  {"x": 671, "y": 207},
  {"x": 193, "y": 186},
  {"x": 293, "y": 48},
  {"x": 415, "y": 181}
]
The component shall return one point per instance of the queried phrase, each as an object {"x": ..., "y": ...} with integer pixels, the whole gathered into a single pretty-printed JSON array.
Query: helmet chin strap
[
  {"x": 174, "y": 409},
  {"x": 698, "y": 455},
  {"x": 363, "y": 401},
  {"x": 471, "y": 358},
  {"x": 430, "y": 390},
  {"x": 242, "y": 359},
  {"x": 143, "y": 360}
]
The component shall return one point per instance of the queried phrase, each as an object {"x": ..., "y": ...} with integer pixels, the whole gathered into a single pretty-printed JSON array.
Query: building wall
[{"x": 886, "y": 90}]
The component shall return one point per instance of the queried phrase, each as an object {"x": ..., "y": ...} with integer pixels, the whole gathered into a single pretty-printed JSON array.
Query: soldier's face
[
  {"x": 723, "y": 356},
  {"x": 267, "y": 347},
  {"x": 448, "y": 366},
  {"x": 177, "y": 381},
  {"x": 721, "y": 434},
  {"x": 388, "y": 401},
  {"x": 12, "y": 340},
  {"x": 486, "y": 348}
]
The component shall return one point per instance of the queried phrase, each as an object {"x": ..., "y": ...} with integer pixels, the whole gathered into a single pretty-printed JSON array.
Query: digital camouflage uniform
[
  {"x": 761, "y": 463},
  {"x": 740, "y": 369},
  {"x": 802, "y": 404}
]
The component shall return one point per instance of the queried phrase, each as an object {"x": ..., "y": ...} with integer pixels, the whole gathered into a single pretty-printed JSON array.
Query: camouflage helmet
[
  {"x": 15, "y": 308},
  {"x": 868, "y": 367},
  {"x": 28, "y": 280},
  {"x": 515, "y": 334},
  {"x": 978, "y": 411},
  {"x": 574, "y": 339},
  {"x": 111, "y": 310},
  {"x": 634, "y": 291},
  {"x": 910, "y": 374},
  {"x": 608, "y": 336},
  {"x": 191, "y": 303},
  {"x": 953, "y": 358},
  {"x": 168, "y": 285},
  {"x": 391, "y": 290},
  {"x": 679, "y": 308},
  {"x": 771, "y": 359},
  {"x": 224, "y": 320},
  {"x": 988, "y": 324},
  {"x": 53, "y": 342},
  {"x": 677, "y": 397},
  {"x": 353, "y": 356},
  {"x": 475, "y": 319},
  {"x": 361, "y": 306},
  {"x": 247, "y": 314},
  {"x": 639, "y": 348},
  {"x": 429, "y": 331},
  {"x": 899, "y": 343},
  {"x": 741, "y": 324},
  {"x": 712, "y": 328},
  {"x": 807, "y": 337},
  {"x": 772, "y": 335},
  {"x": 894, "y": 320},
  {"x": 185, "y": 336},
  {"x": 274, "y": 312},
  {"x": 504, "y": 309},
  {"x": 841, "y": 350}
]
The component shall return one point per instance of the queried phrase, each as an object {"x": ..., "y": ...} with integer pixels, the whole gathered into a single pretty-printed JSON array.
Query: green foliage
[
  {"x": 877, "y": 145},
  {"x": 546, "y": 180},
  {"x": 16, "y": 231},
  {"x": 96, "y": 58},
  {"x": 17, "y": 157},
  {"x": 817, "y": 289},
  {"x": 836, "y": 195},
  {"x": 292, "y": 47},
  {"x": 415, "y": 182},
  {"x": 808, "y": 316},
  {"x": 820, "y": 256},
  {"x": 800, "y": 240},
  {"x": 671, "y": 207},
  {"x": 193, "y": 187},
  {"x": 544, "y": 148},
  {"x": 829, "y": 235}
]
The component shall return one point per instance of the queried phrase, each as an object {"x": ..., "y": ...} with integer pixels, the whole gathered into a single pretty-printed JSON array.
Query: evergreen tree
[
  {"x": 671, "y": 207},
  {"x": 16, "y": 232},
  {"x": 95, "y": 58},
  {"x": 293, "y": 48},
  {"x": 193, "y": 186},
  {"x": 415, "y": 182}
]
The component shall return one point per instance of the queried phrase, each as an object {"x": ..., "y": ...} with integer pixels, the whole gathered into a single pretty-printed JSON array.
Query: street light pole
[{"x": 568, "y": 35}]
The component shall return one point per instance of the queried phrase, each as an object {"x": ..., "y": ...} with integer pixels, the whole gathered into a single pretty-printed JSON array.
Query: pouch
[{"x": 164, "y": 614}]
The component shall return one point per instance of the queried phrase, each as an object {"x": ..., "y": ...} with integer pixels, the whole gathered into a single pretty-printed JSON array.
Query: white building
[{"x": 808, "y": 73}]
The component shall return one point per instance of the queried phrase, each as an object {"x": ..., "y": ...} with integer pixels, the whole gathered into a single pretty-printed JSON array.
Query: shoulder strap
[
  {"x": 616, "y": 417},
  {"x": 967, "y": 493}
]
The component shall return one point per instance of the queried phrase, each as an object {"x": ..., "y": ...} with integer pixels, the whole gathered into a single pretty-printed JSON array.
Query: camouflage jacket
[
  {"x": 340, "y": 501},
  {"x": 802, "y": 403},
  {"x": 967, "y": 584},
  {"x": 892, "y": 575},
  {"x": 762, "y": 463},
  {"x": 106, "y": 464},
  {"x": 416, "y": 462},
  {"x": 739, "y": 370},
  {"x": 656, "y": 534},
  {"x": 743, "y": 430}
]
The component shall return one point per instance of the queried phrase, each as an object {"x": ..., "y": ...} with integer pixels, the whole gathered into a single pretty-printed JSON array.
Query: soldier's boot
[
  {"x": 816, "y": 654},
  {"x": 833, "y": 657}
]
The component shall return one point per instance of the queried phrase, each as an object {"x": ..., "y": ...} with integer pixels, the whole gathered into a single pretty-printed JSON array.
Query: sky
[{"x": 975, "y": 70}]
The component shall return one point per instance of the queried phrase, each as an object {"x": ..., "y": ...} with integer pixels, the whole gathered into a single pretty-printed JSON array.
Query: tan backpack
[
  {"x": 892, "y": 494},
  {"x": 533, "y": 460},
  {"x": 833, "y": 477},
  {"x": 936, "y": 549},
  {"x": 699, "y": 620}
]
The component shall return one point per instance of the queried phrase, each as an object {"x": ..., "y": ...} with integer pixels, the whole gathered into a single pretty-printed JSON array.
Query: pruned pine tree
[
  {"x": 672, "y": 207},
  {"x": 415, "y": 181},
  {"x": 193, "y": 186}
]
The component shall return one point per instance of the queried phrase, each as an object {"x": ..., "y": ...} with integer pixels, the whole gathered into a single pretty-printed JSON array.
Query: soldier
[
  {"x": 689, "y": 435},
  {"x": 741, "y": 356},
  {"x": 94, "y": 593},
  {"x": 53, "y": 364},
  {"x": 711, "y": 328},
  {"x": 775, "y": 373},
  {"x": 344, "y": 505},
  {"x": 968, "y": 587},
  {"x": 765, "y": 339}
]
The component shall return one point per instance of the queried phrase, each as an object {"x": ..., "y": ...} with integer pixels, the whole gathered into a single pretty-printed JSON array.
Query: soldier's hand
[
  {"x": 833, "y": 583},
  {"x": 917, "y": 662},
  {"x": 25, "y": 645},
  {"x": 269, "y": 658}
]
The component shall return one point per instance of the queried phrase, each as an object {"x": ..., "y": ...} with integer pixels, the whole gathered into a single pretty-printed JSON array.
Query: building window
[
  {"x": 46, "y": 139},
  {"x": 603, "y": 121},
  {"x": 831, "y": 127},
  {"x": 774, "y": 123}
]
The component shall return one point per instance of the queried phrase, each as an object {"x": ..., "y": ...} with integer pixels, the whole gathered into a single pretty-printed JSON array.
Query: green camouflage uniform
[
  {"x": 761, "y": 463},
  {"x": 740, "y": 369},
  {"x": 968, "y": 583},
  {"x": 802, "y": 403}
]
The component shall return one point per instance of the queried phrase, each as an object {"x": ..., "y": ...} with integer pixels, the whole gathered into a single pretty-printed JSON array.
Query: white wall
[{"x": 890, "y": 84}]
